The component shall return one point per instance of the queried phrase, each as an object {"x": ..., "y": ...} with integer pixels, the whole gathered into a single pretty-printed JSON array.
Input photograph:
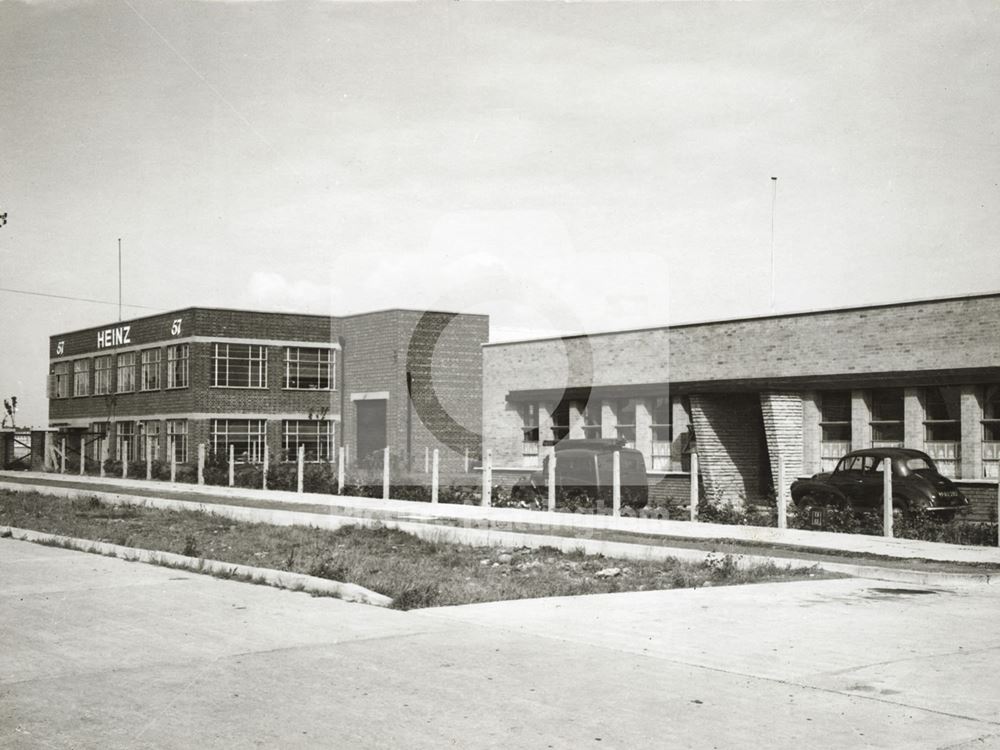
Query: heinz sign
[{"x": 113, "y": 337}]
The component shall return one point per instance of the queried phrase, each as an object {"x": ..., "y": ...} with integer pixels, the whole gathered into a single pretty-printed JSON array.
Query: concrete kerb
[
  {"x": 494, "y": 537},
  {"x": 349, "y": 592}
]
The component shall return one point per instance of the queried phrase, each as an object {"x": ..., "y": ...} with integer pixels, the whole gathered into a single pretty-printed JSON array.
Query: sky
[{"x": 562, "y": 167}]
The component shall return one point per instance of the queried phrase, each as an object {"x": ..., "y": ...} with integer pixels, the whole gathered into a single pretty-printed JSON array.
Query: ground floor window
[
  {"x": 661, "y": 411},
  {"x": 560, "y": 421},
  {"x": 943, "y": 428},
  {"x": 247, "y": 436},
  {"x": 316, "y": 435},
  {"x": 149, "y": 434},
  {"x": 177, "y": 431},
  {"x": 835, "y": 427},
  {"x": 887, "y": 418},
  {"x": 95, "y": 440},
  {"x": 592, "y": 420},
  {"x": 529, "y": 430},
  {"x": 991, "y": 432},
  {"x": 625, "y": 426},
  {"x": 125, "y": 440}
]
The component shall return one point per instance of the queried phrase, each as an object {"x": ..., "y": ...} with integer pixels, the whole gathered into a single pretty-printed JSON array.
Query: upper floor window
[
  {"x": 126, "y": 372},
  {"x": 102, "y": 375},
  {"x": 150, "y": 371},
  {"x": 310, "y": 369},
  {"x": 177, "y": 365},
  {"x": 60, "y": 380},
  {"x": 887, "y": 416},
  {"x": 81, "y": 377},
  {"x": 239, "y": 366}
]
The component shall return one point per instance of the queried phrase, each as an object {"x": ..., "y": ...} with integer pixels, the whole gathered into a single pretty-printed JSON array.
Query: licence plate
[{"x": 816, "y": 516}]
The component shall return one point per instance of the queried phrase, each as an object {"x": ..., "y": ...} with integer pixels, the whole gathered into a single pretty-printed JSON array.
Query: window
[
  {"x": 126, "y": 372},
  {"x": 126, "y": 440},
  {"x": 887, "y": 418},
  {"x": 625, "y": 412},
  {"x": 95, "y": 440},
  {"x": 81, "y": 377},
  {"x": 245, "y": 435},
  {"x": 310, "y": 369},
  {"x": 314, "y": 434},
  {"x": 149, "y": 431},
  {"x": 662, "y": 428},
  {"x": 102, "y": 375},
  {"x": 592, "y": 420},
  {"x": 529, "y": 429},
  {"x": 177, "y": 365},
  {"x": 239, "y": 366},
  {"x": 942, "y": 415},
  {"x": 991, "y": 414},
  {"x": 149, "y": 370},
  {"x": 835, "y": 427},
  {"x": 60, "y": 380},
  {"x": 560, "y": 421},
  {"x": 177, "y": 431}
]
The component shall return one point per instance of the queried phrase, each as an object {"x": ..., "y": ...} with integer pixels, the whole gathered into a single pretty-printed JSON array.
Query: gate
[{"x": 17, "y": 450}]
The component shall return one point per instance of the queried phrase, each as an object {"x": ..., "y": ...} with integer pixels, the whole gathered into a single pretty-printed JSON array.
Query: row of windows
[
  {"x": 233, "y": 366},
  {"x": 246, "y": 436}
]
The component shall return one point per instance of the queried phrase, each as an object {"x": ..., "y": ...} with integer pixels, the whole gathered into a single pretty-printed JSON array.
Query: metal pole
[
  {"x": 119, "y": 278},
  {"x": 693, "y": 496},
  {"x": 887, "y": 497},
  {"x": 774, "y": 200},
  {"x": 616, "y": 484},
  {"x": 435, "y": 466}
]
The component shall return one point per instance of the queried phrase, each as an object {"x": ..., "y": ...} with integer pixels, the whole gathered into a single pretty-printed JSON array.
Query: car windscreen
[{"x": 919, "y": 463}]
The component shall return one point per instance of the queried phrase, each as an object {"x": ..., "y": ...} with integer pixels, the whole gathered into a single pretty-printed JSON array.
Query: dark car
[
  {"x": 857, "y": 483},
  {"x": 584, "y": 472}
]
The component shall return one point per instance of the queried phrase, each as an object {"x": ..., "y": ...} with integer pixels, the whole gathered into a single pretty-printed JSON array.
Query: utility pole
[{"x": 774, "y": 200}]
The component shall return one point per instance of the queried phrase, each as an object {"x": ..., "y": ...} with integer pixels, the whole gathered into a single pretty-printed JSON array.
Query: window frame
[
  {"x": 125, "y": 368},
  {"x": 330, "y": 365},
  {"x": 62, "y": 376},
  {"x": 254, "y": 361},
  {"x": 256, "y": 439},
  {"x": 81, "y": 377},
  {"x": 659, "y": 461},
  {"x": 178, "y": 363},
  {"x": 104, "y": 374},
  {"x": 150, "y": 367},
  {"x": 326, "y": 444},
  {"x": 877, "y": 422},
  {"x": 623, "y": 405},
  {"x": 171, "y": 432}
]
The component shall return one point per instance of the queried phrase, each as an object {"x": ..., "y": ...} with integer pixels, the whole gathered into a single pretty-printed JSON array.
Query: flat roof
[{"x": 770, "y": 316}]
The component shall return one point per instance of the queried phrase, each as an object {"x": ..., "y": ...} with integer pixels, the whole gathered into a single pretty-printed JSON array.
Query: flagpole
[{"x": 119, "y": 279}]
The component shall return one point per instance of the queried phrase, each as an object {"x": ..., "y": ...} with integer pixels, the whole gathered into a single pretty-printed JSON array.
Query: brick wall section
[
  {"x": 730, "y": 436},
  {"x": 782, "y": 416}
]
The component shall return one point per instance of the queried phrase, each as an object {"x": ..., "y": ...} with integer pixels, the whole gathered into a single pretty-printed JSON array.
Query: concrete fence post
[
  {"x": 487, "y": 476},
  {"x": 693, "y": 493},
  {"x": 341, "y": 460},
  {"x": 267, "y": 464},
  {"x": 301, "y": 469},
  {"x": 887, "y": 498},
  {"x": 435, "y": 476},
  {"x": 385, "y": 473},
  {"x": 173, "y": 461},
  {"x": 232, "y": 464},
  {"x": 103, "y": 445},
  {"x": 466, "y": 460},
  {"x": 83, "y": 457},
  {"x": 552, "y": 483},
  {"x": 780, "y": 495},
  {"x": 201, "y": 463},
  {"x": 616, "y": 484},
  {"x": 124, "y": 460},
  {"x": 62, "y": 459},
  {"x": 149, "y": 458},
  {"x": 427, "y": 459}
]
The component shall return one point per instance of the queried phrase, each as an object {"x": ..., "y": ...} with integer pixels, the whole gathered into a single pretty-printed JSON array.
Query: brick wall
[
  {"x": 782, "y": 416},
  {"x": 730, "y": 436}
]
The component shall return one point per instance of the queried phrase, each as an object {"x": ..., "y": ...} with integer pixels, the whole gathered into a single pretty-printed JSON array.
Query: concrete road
[{"x": 103, "y": 653}]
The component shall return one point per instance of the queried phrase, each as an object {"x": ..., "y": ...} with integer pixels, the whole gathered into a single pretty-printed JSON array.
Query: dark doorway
[{"x": 371, "y": 428}]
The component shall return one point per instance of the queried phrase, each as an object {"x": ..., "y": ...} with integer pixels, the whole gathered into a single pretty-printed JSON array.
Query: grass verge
[{"x": 413, "y": 572}]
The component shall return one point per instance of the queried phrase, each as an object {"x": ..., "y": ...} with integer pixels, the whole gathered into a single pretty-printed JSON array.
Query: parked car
[
  {"x": 584, "y": 469},
  {"x": 857, "y": 483}
]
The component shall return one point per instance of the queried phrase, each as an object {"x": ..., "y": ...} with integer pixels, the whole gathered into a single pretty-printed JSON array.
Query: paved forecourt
[{"x": 103, "y": 653}]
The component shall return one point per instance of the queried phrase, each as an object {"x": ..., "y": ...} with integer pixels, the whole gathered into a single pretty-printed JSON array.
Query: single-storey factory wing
[
  {"x": 409, "y": 380},
  {"x": 745, "y": 394}
]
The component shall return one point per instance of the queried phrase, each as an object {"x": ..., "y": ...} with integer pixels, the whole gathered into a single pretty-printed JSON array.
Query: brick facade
[{"x": 426, "y": 366}]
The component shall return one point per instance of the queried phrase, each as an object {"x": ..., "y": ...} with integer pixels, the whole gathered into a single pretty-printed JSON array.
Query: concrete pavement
[{"x": 104, "y": 653}]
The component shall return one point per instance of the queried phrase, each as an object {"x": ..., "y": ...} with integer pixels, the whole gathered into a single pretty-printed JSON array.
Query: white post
[
  {"x": 149, "y": 458},
  {"x": 616, "y": 484},
  {"x": 487, "y": 477},
  {"x": 552, "y": 483},
  {"x": 347, "y": 456},
  {"x": 201, "y": 463},
  {"x": 466, "y": 460},
  {"x": 173, "y": 461},
  {"x": 434, "y": 476},
  {"x": 887, "y": 497},
  {"x": 267, "y": 463},
  {"x": 693, "y": 495},
  {"x": 385, "y": 473},
  {"x": 780, "y": 495},
  {"x": 232, "y": 464},
  {"x": 300, "y": 477},
  {"x": 62, "y": 460},
  {"x": 124, "y": 460},
  {"x": 103, "y": 445},
  {"x": 341, "y": 460},
  {"x": 83, "y": 457},
  {"x": 427, "y": 459},
  {"x": 998, "y": 512}
]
